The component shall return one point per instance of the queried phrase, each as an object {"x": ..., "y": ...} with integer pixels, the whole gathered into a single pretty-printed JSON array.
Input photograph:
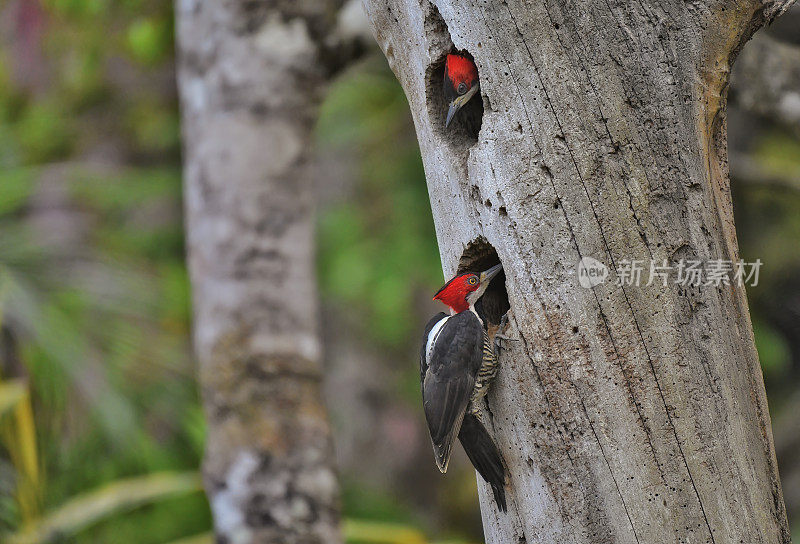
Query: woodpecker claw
[{"x": 498, "y": 336}]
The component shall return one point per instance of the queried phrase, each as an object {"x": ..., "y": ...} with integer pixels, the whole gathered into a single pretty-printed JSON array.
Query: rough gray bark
[
  {"x": 766, "y": 80},
  {"x": 251, "y": 75},
  {"x": 625, "y": 414}
]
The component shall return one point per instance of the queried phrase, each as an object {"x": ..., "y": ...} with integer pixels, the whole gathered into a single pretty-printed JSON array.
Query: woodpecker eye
[
  {"x": 462, "y": 88},
  {"x": 473, "y": 280}
]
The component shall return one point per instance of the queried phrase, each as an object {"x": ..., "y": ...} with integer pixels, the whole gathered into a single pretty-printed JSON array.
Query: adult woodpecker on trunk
[
  {"x": 460, "y": 83},
  {"x": 457, "y": 364}
]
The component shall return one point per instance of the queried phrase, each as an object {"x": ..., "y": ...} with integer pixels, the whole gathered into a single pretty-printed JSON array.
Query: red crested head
[
  {"x": 460, "y": 72},
  {"x": 454, "y": 292},
  {"x": 460, "y": 83},
  {"x": 464, "y": 290}
]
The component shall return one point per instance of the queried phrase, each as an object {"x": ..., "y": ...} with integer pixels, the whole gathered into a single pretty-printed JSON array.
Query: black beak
[
  {"x": 492, "y": 272},
  {"x": 454, "y": 107},
  {"x": 459, "y": 103}
]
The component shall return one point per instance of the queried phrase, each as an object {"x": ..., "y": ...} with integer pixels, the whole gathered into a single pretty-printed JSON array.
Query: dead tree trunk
[
  {"x": 625, "y": 413},
  {"x": 251, "y": 76}
]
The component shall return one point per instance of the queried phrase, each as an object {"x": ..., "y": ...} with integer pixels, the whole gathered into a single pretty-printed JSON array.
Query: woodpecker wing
[{"x": 450, "y": 359}]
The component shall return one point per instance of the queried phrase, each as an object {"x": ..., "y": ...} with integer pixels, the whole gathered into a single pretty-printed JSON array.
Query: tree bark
[
  {"x": 251, "y": 75},
  {"x": 624, "y": 413}
]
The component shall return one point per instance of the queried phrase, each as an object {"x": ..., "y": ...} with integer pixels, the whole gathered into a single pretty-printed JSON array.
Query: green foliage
[
  {"x": 86, "y": 510},
  {"x": 356, "y": 531},
  {"x": 377, "y": 249},
  {"x": 149, "y": 39},
  {"x": 366, "y": 532},
  {"x": 363, "y": 502},
  {"x": 79, "y": 9},
  {"x": 17, "y": 187},
  {"x": 97, "y": 304},
  {"x": 141, "y": 413},
  {"x": 773, "y": 350},
  {"x": 779, "y": 153},
  {"x": 43, "y": 133},
  {"x": 18, "y": 436},
  {"x": 768, "y": 216},
  {"x": 768, "y": 225}
]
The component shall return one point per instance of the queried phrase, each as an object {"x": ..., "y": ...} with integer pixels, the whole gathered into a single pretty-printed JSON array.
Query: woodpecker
[
  {"x": 460, "y": 82},
  {"x": 457, "y": 364}
]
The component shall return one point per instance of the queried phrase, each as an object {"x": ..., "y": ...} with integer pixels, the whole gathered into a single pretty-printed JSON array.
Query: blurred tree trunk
[
  {"x": 251, "y": 75},
  {"x": 767, "y": 81},
  {"x": 624, "y": 413}
]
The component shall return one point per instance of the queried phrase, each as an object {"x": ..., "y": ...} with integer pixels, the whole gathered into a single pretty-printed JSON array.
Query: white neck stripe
[{"x": 432, "y": 336}]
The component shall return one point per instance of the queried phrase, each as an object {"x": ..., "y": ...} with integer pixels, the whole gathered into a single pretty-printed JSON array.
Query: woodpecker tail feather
[{"x": 484, "y": 456}]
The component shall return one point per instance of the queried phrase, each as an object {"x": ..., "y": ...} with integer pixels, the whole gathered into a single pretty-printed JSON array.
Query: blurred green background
[{"x": 101, "y": 430}]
